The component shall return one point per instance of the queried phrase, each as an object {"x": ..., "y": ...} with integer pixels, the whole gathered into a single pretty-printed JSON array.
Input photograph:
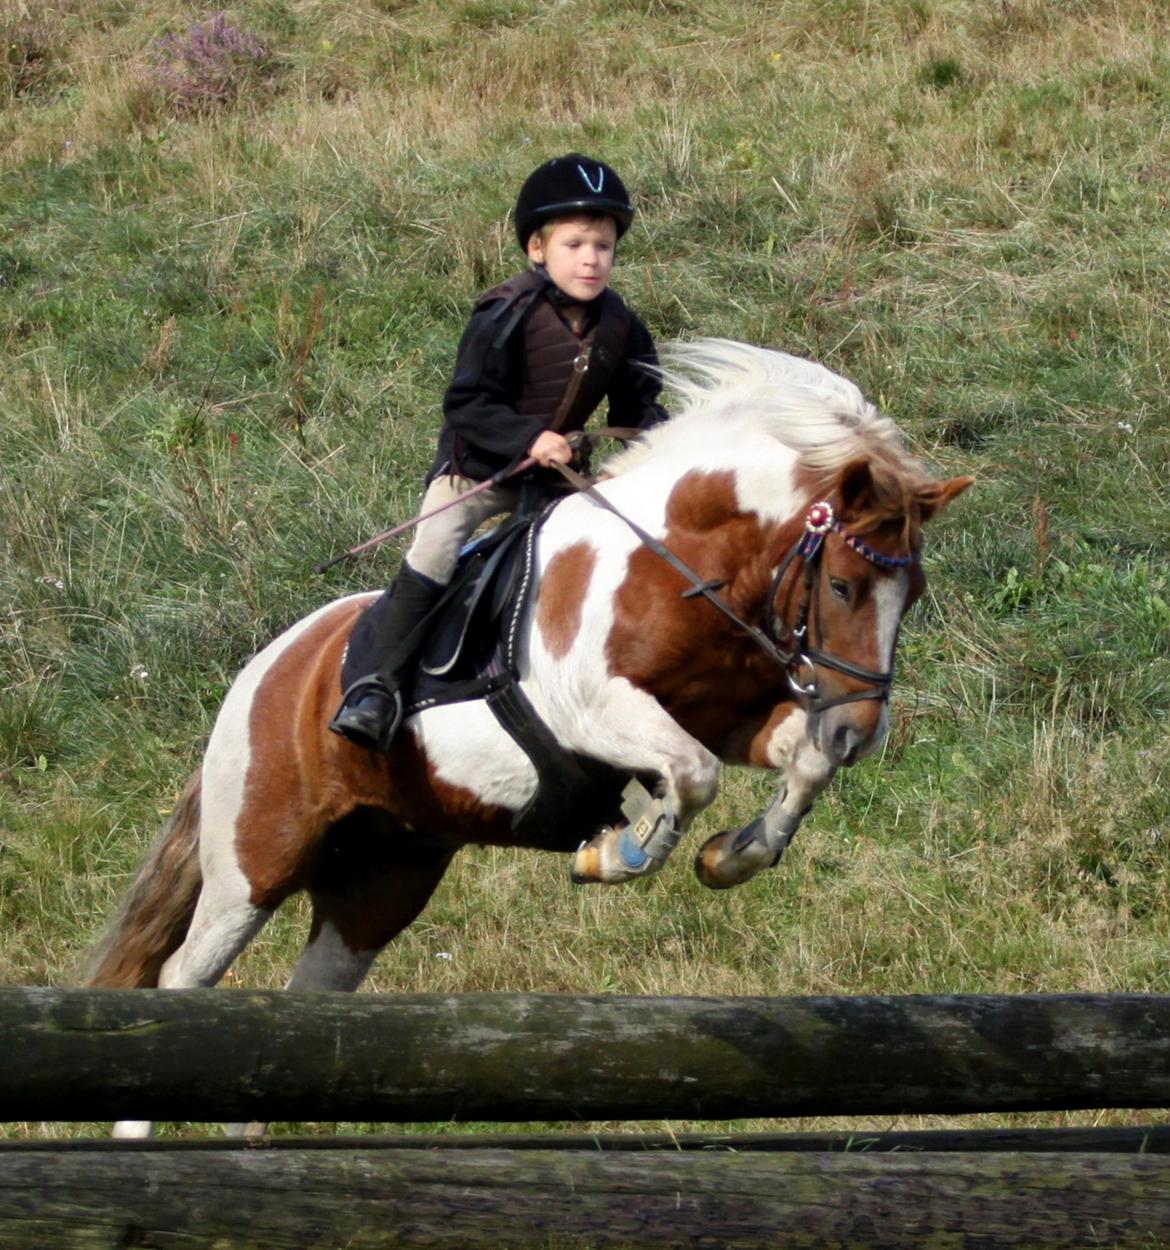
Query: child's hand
[{"x": 550, "y": 448}]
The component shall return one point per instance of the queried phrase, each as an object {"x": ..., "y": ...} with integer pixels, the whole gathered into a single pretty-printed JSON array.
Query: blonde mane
[{"x": 726, "y": 390}]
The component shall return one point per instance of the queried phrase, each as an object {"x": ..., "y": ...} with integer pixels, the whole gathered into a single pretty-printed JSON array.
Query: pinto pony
[{"x": 792, "y": 518}]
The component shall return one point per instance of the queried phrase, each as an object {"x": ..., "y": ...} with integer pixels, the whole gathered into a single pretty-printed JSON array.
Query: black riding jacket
[{"x": 507, "y": 380}]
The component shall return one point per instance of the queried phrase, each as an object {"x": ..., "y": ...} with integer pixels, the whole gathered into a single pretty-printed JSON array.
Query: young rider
[{"x": 537, "y": 357}]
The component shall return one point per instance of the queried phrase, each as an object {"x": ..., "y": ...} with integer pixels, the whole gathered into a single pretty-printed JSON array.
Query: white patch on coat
[
  {"x": 589, "y": 709},
  {"x": 467, "y": 747},
  {"x": 890, "y": 597},
  {"x": 788, "y": 740},
  {"x": 805, "y": 767},
  {"x": 890, "y": 601}
]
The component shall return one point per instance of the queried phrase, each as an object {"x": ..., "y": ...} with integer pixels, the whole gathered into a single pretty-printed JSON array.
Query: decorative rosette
[{"x": 819, "y": 518}]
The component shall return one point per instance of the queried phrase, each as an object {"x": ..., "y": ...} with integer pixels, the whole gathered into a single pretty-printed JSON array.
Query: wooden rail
[
  {"x": 215, "y": 1055},
  {"x": 235, "y": 1055},
  {"x": 370, "y": 1199}
]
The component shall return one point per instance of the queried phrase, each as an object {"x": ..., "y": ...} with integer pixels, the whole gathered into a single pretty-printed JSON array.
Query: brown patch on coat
[
  {"x": 702, "y": 501},
  {"x": 306, "y": 785},
  {"x": 561, "y": 598},
  {"x": 287, "y": 806},
  {"x": 710, "y": 676}
]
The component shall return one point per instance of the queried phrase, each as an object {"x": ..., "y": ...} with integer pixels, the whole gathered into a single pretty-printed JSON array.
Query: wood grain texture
[
  {"x": 371, "y": 1199},
  {"x": 242, "y": 1055}
]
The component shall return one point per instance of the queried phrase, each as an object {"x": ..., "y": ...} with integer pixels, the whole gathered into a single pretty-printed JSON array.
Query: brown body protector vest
[{"x": 563, "y": 377}]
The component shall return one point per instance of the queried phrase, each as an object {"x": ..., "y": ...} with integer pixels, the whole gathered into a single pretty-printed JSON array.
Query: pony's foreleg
[
  {"x": 630, "y": 729},
  {"x": 734, "y": 856},
  {"x": 636, "y": 848}
]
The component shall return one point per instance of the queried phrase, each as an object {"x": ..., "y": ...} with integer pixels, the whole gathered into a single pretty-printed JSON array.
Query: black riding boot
[{"x": 382, "y": 646}]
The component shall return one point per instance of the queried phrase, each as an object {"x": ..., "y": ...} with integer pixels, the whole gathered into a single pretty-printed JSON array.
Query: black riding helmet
[{"x": 571, "y": 184}]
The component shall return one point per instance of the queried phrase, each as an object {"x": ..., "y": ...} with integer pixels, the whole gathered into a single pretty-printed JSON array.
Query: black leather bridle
[
  {"x": 820, "y": 521},
  {"x": 788, "y": 647}
]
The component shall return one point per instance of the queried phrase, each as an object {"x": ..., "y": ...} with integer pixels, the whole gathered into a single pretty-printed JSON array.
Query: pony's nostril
[{"x": 846, "y": 744}]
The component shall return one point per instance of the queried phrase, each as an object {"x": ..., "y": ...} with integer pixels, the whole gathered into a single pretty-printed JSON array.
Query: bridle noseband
[{"x": 820, "y": 520}]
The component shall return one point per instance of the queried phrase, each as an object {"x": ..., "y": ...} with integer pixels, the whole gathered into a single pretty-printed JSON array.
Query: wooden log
[
  {"x": 1136, "y": 1139},
  {"x": 369, "y": 1200},
  {"x": 236, "y": 1055}
]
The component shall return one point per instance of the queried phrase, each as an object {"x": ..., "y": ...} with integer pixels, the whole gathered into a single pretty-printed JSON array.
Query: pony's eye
[{"x": 839, "y": 588}]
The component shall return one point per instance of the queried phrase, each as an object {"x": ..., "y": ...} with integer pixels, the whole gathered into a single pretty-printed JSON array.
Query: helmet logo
[{"x": 589, "y": 181}]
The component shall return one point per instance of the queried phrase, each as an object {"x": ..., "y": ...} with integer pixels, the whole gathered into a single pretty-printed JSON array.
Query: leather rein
[{"x": 789, "y": 648}]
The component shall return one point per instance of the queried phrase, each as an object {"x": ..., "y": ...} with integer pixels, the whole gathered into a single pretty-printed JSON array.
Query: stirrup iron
[{"x": 373, "y": 735}]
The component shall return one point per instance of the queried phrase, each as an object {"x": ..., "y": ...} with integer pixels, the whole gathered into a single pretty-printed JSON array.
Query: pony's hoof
[
  {"x": 133, "y": 1130},
  {"x": 252, "y": 1131},
  {"x": 585, "y": 866},
  {"x": 600, "y": 861},
  {"x": 728, "y": 859},
  {"x": 636, "y": 849}
]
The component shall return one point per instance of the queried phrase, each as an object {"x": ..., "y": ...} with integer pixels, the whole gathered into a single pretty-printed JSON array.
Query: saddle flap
[{"x": 468, "y": 620}]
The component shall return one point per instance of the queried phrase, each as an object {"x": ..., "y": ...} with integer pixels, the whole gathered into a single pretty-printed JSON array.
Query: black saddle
[
  {"x": 471, "y": 653},
  {"x": 481, "y": 607}
]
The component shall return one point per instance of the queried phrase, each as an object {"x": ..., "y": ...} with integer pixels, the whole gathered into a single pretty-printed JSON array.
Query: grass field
[{"x": 229, "y": 302}]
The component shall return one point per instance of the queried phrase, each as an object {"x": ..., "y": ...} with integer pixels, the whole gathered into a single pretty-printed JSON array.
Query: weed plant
[
  {"x": 226, "y": 333},
  {"x": 208, "y": 66}
]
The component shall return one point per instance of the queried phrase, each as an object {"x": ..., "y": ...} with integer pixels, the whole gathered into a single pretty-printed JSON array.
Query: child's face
[{"x": 578, "y": 253}]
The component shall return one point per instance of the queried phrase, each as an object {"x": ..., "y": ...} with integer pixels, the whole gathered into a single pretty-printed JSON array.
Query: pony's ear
[
  {"x": 855, "y": 489},
  {"x": 940, "y": 494}
]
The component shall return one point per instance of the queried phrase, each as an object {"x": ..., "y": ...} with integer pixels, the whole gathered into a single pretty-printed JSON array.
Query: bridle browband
[{"x": 787, "y": 647}]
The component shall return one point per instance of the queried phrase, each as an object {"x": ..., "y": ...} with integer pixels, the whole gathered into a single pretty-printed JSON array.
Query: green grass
[{"x": 226, "y": 336}]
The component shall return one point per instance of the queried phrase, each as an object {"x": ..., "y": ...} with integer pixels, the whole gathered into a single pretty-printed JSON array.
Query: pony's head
[
  {"x": 856, "y": 571},
  {"x": 841, "y": 504}
]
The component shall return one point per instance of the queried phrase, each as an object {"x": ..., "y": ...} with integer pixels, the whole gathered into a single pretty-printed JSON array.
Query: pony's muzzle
[{"x": 851, "y": 731}]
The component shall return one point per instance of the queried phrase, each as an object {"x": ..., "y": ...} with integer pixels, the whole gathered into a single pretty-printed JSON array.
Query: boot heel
[{"x": 372, "y": 721}]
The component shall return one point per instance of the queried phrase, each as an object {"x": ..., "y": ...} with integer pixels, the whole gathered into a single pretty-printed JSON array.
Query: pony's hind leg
[
  {"x": 231, "y": 908},
  {"x": 369, "y": 887},
  {"x": 366, "y": 893},
  {"x": 225, "y": 920}
]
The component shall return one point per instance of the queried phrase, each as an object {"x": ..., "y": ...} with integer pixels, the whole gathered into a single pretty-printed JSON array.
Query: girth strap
[{"x": 570, "y": 786}]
